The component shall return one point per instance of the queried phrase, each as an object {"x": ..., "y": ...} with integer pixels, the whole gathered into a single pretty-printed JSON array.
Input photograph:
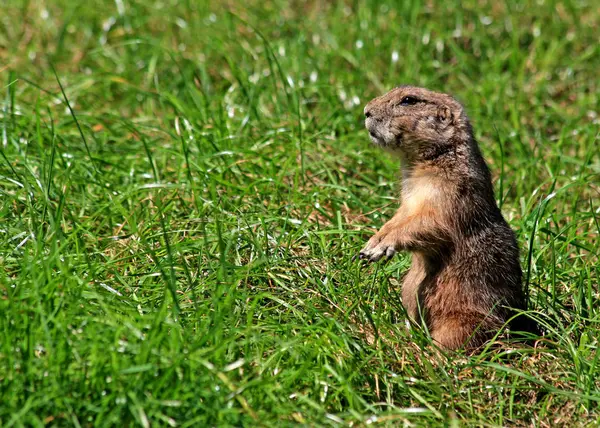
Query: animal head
[{"x": 412, "y": 120}]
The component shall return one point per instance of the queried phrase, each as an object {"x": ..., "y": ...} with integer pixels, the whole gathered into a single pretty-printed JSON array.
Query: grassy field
[{"x": 184, "y": 185}]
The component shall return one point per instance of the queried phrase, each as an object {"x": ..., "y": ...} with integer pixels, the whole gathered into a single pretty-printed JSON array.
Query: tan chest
[{"x": 422, "y": 194}]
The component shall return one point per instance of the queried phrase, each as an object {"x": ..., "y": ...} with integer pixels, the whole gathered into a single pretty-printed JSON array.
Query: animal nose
[{"x": 367, "y": 111}]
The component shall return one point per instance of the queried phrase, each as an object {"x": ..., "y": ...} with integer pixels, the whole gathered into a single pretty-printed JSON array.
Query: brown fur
[{"x": 465, "y": 272}]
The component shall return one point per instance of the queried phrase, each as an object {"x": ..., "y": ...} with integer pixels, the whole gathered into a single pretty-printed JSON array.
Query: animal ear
[{"x": 444, "y": 115}]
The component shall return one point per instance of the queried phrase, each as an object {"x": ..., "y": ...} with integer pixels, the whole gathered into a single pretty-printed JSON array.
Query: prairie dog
[{"x": 465, "y": 273}]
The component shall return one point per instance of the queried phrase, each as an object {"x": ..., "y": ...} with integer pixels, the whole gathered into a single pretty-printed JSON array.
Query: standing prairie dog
[{"x": 465, "y": 273}]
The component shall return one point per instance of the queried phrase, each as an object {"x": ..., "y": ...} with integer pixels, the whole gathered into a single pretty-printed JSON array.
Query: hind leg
[
  {"x": 410, "y": 287},
  {"x": 459, "y": 329}
]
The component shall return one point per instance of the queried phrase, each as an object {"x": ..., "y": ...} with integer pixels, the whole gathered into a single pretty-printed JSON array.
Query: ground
[{"x": 184, "y": 185}]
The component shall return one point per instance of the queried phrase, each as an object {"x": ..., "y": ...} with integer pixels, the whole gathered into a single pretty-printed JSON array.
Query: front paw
[{"x": 378, "y": 247}]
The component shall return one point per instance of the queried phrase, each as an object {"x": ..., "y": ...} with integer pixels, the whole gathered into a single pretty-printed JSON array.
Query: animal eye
[{"x": 408, "y": 101}]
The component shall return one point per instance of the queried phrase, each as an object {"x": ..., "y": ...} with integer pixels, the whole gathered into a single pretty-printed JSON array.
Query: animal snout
[{"x": 367, "y": 112}]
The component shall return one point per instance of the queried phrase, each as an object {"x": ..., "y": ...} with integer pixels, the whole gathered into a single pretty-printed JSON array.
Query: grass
[{"x": 184, "y": 185}]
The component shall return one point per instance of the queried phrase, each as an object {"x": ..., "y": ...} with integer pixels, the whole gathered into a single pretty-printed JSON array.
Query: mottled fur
[{"x": 465, "y": 261}]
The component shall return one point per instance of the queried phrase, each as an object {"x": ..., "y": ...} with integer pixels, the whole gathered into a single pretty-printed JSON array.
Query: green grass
[{"x": 177, "y": 239}]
